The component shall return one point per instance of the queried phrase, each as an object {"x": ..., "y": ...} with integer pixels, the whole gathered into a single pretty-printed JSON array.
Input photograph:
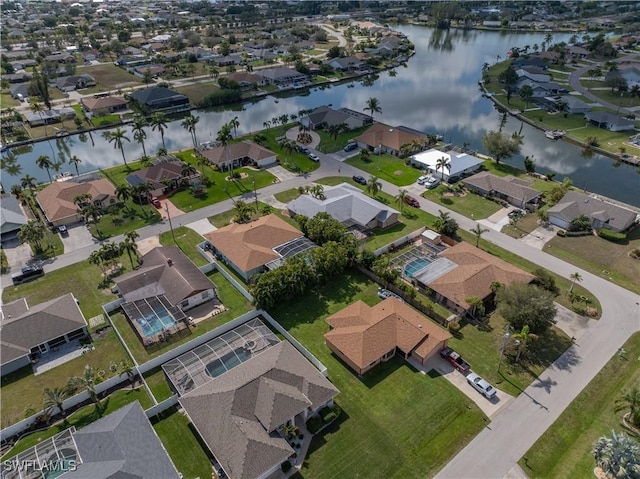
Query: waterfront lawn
[
  {"x": 562, "y": 283},
  {"x": 84, "y": 417},
  {"x": 328, "y": 144},
  {"x": 22, "y": 390},
  {"x": 235, "y": 303},
  {"x": 182, "y": 444},
  {"x": 292, "y": 161},
  {"x": 109, "y": 77},
  {"x": 199, "y": 91},
  {"x": 564, "y": 450},
  {"x": 83, "y": 277},
  {"x": 187, "y": 240},
  {"x": 481, "y": 347},
  {"x": 395, "y": 421},
  {"x": 598, "y": 255},
  {"x": 157, "y": 382},
  {"x": 387, "y": 167},
  {"x": 470, "y": 205}
]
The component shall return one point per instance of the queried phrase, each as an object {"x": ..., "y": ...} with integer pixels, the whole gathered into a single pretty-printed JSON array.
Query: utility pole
[
  {"x": 173, "y": 235},
  {"x": 505, "y": 338}
]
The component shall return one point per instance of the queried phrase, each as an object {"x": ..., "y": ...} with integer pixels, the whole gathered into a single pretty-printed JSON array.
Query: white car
[
  {"x": 423, "y": 179},
  {"x": 431, "y": 183},
  {"x": 313, "y": 157},
  {"x": 482, "y": 386}
]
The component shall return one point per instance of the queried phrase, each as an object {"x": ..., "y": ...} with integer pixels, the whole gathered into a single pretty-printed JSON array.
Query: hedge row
[{"x": 612, "y": 235}]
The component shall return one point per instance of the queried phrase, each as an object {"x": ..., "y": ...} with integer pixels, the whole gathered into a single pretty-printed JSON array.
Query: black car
[
  {"x": 360, "y": 179},
  {"x": 62, "y": 229}
]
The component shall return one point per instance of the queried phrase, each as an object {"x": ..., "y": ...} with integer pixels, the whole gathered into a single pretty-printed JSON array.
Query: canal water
[{"x": 437, "y": 92}]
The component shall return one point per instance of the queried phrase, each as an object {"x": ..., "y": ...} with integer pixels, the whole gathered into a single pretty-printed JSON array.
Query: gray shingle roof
[
  {"x": 236, "y": 413},
  {"x": 177, "y": 282},
  {"x": 11, "y": 216},
  {"x": 38, "y": 325},
  {"x": 122, "y": 445},
  {"x": 574, "y": 204},
  {"x": 511, "y": 187}
]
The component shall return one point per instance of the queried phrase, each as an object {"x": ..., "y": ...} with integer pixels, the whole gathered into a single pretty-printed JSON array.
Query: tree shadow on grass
[
  {"x": 549, "y": 347},
  {"x": 319, "y": 438}
]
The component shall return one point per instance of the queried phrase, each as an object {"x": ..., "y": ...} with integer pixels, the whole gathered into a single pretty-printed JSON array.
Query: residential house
[
  {"x": 155, "y": 99},
  {"x": 104, "y": 105},
  {"x": 282, "y": 76},
  {"x": 348, "y": 64},
  {"x": 550, "y": 56},
  {"x": 460, "y": 164},
  {"x": 20, "y": 77},
  {"x": 252, "y": 248},
  {"x": 363, "y": 336},
  {"x": 252, "y": 403},
  {"x": 240, "y": 154},
  {"x": 75, "y": 82},
  {"x": 23, "y": 64},
  {"x": 511, "y": 189},
  {"x": 381, "y": 138},
  {"x": 166, "y": 271},
  {"x": 19, "y": 91},
  {"x": 120, "y": 444},
  {"x": 56, "y": 199},
  {"x": 529, "y": 61},
  {"x": 247, "y": 80},
  {"x": 326, "y": 116},
  {"x": 64, "y": 58},
  {"x": 90, "y": 56},
  {"x": 601, "y": 214},
  {"x": 609, "y": 121},
  {"x": 524, "y": 75},
  {"x": 153, "y": 69},
  {"x": 30, "y": 332},
  {"x": 46, "y": 117},
  {"x": 347, "y": 204},
  {"x": 202, "y": 54},
  {"x": 540, "y": 89},
  {"x": 573, "y": 105},
  {"x": 11, "y": 218},
  {"x": 133, "y": 61},
  {"x": 464, "y": 271},
  {"x": 164, "y": 176},
  {"x": 578, "y": 52},
  {"x": 226, "y": 60}
]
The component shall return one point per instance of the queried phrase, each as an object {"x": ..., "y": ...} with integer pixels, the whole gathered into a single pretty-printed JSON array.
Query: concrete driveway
[
  {"x": 18, "y": 255},
  {"x": 79, "y": 237},
  {"x": 459, "y": 380},
  {"x": 540, "y": 236},
  {"x": 497, "y": 220}
]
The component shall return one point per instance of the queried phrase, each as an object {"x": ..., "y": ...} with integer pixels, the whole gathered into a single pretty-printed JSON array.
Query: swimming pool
[
  {"x": 229, "y": 361},
  {"x": 412, "y": 267},
  {"x": 152, "y": 315}
]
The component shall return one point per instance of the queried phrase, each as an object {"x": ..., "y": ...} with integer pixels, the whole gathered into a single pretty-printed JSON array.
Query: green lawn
[
  {"x": 523, "y": 226},
  {"x": 199, "y": 91},
  {"x": 598, "y": 255},
  {"x": 469, "y": 205},
  {"x": 481, "y": 347},
  {"x": 187, "y": 240},
  {"x": 387, "y": 167},
  {"x": 129, "y": 218},
  {"x": 288, "y": 195},
  {"x": 157, "y": 382},
  {"x": 293, "y": 161},
  {"x": 183, "y": 445},
  {"x": 21, "y": 390},
  {"x": 501, "y": 169},
  {"x": 84, "y": 416},
  {"x": 396, "y": 422},
  {"x": 85, "y": 279},
  {"x": 564, "y": 450},
  {"x": 110, "y": 77},
  {"x": 624, "y": 100},
  {"x": 328, "y": 144},
  {"x": 236, "y": 305},
  {"x": 223, "y": 219}
]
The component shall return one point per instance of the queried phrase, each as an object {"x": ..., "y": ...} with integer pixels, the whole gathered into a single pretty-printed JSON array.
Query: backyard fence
[
  {"x": 214, "y": 265},
  {"x": 161, "y": 406},
  {"x": 399, "y": 242}
]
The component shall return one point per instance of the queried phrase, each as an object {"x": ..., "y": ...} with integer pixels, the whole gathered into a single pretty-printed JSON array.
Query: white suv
[{"x": 482, "y": 386}]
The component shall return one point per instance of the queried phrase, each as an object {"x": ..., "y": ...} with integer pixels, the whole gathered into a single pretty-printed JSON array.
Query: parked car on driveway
[
  {"x": 455, "y": 359},
  {"x": 423, "y": 179},
  {"x": 411, "y": 201},
  {"x": 480, "y": 385},
  {"x": 156, "y": 202},
  {"x": 351, "y": 147},
  {"x": 62, "y": 229},
  {"x": 431, "y": 183},
  {"x": 314, "y": 157},
  {"x": 359, "y": 179}
]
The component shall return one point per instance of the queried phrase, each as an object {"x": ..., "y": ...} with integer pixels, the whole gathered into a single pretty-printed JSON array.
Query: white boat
[{"x": 66, "y": 176}]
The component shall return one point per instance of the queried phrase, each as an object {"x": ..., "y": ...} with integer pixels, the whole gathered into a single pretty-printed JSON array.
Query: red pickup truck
[{"x": 455, "y": 359}]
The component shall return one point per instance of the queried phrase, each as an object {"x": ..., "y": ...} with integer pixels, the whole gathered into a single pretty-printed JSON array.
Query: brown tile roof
[
  {"x": 237, "y": 413},
  {"x": 385, "y": 135},
  {"x": 244, "y": 149},
  {"x": 105, "y": 102},
  {"x": 476, "y": 271},
  {"x": 38, "y": 325},
  {"x": 245, "y": 77},
  {"x": 56, "y": 199},
  {"x": 177, "y": 281},
  {"x": 364, "y": 334},
  {"x": 250, "y": 245}
]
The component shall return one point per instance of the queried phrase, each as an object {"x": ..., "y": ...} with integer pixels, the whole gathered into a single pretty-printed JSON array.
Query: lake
[{"x": 437, "y": 92}]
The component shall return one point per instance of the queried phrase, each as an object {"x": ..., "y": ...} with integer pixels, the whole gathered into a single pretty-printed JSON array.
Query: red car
[
  {"x": 411, "y": 201},
  {"x": 156, "y": 202}
]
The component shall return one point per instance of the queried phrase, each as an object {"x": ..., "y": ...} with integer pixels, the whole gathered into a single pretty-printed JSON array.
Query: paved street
[{"x": 514, "y": 428}]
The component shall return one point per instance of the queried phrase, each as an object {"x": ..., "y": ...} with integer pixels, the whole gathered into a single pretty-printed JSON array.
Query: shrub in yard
[
  {"x": 545, "y": 280},
  {"x": 314, "y": 424},
  {"x": 286, "y": 466},
  {"x": 612, "y": 235},
  {"x": 635, "y": 253}
]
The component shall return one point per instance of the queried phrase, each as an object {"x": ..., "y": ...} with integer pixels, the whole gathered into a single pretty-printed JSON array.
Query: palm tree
[
  {"x": 335, "y": 130},
  {"x": 159, "y": 122},
  {"x": 45, "y": 163},
  {"x": 82, "y": 200},
  {"x": 235, "y": 123},
  {"x": 224, "y": 137},
  {"x": 479, "y": 231},
  {"x": 442, "y": 164},
  {"x": 116, "y": 137},
  {"x": 521, "y": 340},
  {"x": 128, "y": 247},
  {"x": 38, "y": 108},
  {"x": 123, "y": 193},
  {"x": 373, "y": 106},
  {"x": 575, "y": 278},
  {"x": 86, "y": 381},
  {"x": 630, "y": 400},
  {"x": 189, "y": 123},
  {"x": 75, "y": 161},
  {"x": 373, "y": 185},
  {"x": 618, "y": 455},
  {"x": 139, "y": 134},
  {"x": 186, "y": 172},
  {"x": 28, "y": 181},
  {"x": 55, "y": 398},
  {"x": 401, "y": 197},
  {"x": 143, "y": 191},
  {"x": 266, "y": 124}
]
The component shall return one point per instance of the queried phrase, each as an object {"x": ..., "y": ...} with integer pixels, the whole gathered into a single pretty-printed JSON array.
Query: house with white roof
[{"x": 460, "y": 163}]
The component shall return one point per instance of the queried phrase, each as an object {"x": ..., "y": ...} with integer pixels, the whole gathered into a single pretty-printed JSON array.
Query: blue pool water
[
  {"x": 229, "y": 361},
  {"x": 414, "y": 266},
  {"x": 152, "y": 324}
]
